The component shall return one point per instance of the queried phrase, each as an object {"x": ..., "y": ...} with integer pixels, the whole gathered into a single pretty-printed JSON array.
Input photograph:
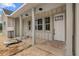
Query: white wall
[
  {"x": 77, "y": 29},
  {"x": 26, "y": 31},
  {"x": 43, "y": 35},
  {"x": 4, "y": 19},
  {"x": 0, "y": 18},
  {"x": 11, "y": 24}
]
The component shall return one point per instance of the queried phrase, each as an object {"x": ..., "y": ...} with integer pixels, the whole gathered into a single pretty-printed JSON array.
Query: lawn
[{"x": 0, "y": 31}]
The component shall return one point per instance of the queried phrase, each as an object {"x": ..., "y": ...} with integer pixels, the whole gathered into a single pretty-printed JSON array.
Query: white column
[
  {"x": 69, "y": 29},
  {"x": 14, "y": 29},
  {"x": 2, "y": 24},
  {"x": 6, "y": 31},
  {"x": 43, "y": 29},
  {"x": 20, "y": 28},
  {"x": 33, "y": 27},
  {"x": 51, "y": 27}
]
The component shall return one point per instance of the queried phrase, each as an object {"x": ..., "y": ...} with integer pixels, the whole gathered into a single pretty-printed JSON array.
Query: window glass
[
  {"x": 47, "y": 26},
  {"x": 29, "y": 24},
  {"x": 38, "y": 24},
  {"x": 47, "y": 23},
  {"x": 58, "y": 18},
  {"x": 47, "y": 20},
  {"x": 10, "y": 34},
  {"x": 39, "y": 27},
  {"x": 39, "y": 21}
]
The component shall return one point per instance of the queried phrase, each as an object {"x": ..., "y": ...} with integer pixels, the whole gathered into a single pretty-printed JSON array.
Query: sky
[{"x": 9, "y": 6}]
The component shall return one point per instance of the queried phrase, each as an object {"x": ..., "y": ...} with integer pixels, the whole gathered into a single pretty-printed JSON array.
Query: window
[
  {"x": 10, "y": 34},
  {"x": 29, "y": 24},
  {"x": 58, "y": 18},
  {"x": 38, "y": 24},
  {"x": 47, "y": 23}
]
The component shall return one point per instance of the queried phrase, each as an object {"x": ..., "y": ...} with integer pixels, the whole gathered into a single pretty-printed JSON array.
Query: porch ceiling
[{"x": 24, "y": 8}]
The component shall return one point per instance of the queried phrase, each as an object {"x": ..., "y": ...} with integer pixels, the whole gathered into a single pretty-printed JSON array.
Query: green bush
[{"x": 0, "y": 26}]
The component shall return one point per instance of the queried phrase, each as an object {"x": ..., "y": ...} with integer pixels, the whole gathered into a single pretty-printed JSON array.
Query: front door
[{"x": 59, "y": 27}]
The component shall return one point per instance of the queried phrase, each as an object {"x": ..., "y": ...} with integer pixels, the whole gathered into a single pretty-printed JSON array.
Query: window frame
[
  {"x": 29, "y": 25},
  {"x": 47, "y": 23},
  {"x": 37, "y": 24}
]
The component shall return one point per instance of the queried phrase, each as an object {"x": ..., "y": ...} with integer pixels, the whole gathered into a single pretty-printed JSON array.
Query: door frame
[{"x": 64, "y": 25}]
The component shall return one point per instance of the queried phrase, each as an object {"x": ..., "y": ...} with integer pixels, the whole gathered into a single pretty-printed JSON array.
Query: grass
[{"x": 0, "y": 32}]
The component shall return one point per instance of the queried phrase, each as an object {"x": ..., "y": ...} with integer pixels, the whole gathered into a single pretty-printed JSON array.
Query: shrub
[{"x": 0, "y": 26}]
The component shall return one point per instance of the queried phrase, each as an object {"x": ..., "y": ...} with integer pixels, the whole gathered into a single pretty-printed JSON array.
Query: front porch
[{"x": 44, "y": 48}]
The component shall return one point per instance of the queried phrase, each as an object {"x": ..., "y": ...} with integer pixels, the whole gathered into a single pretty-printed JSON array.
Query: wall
[
  {"x": 77, "y": 30},
  {"x": 4, "y": 19},
  {"x": 26, "y": 31},
  {"x": 11, "y": 24}
]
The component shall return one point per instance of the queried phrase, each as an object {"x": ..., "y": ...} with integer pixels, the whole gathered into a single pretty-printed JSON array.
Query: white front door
[{"x": 59, "y": 27}]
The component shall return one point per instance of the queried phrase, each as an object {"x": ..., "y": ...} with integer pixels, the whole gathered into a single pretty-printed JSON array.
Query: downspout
[{"x": 74, "y": 30}]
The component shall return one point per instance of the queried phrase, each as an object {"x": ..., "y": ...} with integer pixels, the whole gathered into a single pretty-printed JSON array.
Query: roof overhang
[{"x": 24, "y": 8}]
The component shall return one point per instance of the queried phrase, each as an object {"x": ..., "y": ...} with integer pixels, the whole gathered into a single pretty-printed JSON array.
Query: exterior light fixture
[
  {"x": 40, "y": 9},
  {"x": 26, "y": 14}
]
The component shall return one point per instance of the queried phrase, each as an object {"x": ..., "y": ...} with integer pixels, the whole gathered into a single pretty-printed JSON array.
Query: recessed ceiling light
[
  {"x": 26, "y": 14},
  {"x": 40, "y": 9}
]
